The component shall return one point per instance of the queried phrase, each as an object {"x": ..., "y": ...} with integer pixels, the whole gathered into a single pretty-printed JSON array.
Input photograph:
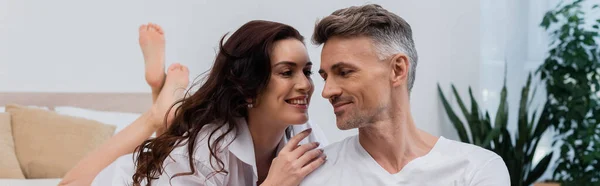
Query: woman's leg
[
  {"x": 133, "y": 135},
  {"x": 174, "y": 89},
  {"x": 152, "y": 43}
]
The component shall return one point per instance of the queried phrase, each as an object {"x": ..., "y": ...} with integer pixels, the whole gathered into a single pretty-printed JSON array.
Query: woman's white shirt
[{"x": 238, "y": 159}]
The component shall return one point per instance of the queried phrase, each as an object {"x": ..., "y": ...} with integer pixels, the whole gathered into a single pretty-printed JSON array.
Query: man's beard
[{"x": 361, "y": 118}]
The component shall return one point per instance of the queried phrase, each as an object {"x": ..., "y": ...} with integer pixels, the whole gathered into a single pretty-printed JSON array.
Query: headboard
[{"x": 117, "y": 102}]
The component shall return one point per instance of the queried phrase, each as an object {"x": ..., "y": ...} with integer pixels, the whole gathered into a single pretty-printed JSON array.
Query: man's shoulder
[
  {"x": 482, "y": 165},
  {"x": 334, "y": 150},
  {"x": 338, "y": 154},
  {"x": 465, "y": 150},
  {"x": 473, "y": 159}
]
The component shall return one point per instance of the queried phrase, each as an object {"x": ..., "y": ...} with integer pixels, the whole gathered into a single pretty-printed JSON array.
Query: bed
[
  {"x": 116, "y": 102},
  {"x": 117, "y": 109}
]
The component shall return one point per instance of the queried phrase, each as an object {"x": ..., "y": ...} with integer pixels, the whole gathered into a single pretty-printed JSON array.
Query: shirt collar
[{"x": 243, "y": 147}]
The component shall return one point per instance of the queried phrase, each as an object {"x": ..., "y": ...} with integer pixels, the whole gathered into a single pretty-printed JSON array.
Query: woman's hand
[{"x": 294, "y": 162}]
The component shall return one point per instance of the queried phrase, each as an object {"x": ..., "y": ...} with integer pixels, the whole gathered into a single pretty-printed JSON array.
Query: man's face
[{"x": 357, "y": 83}]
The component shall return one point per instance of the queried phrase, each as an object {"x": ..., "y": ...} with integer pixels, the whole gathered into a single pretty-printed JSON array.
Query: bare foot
[
  {"x": 152, "y": 42},
  {"x": 174, "y": 90}
]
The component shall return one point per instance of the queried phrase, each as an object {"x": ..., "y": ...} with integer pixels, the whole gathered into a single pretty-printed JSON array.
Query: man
[{"x": 368, "y": 63}]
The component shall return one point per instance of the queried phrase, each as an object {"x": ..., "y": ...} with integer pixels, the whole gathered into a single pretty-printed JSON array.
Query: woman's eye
[{"x": 287, "y": 73}]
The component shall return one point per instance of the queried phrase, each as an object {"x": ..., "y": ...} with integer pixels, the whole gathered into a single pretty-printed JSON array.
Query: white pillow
[
  {"x": 39, "y": 107},
  {"x": 3, "y": 109},
  {"x": 119, "y": 119},
  {"x": 30, "y": 182}
]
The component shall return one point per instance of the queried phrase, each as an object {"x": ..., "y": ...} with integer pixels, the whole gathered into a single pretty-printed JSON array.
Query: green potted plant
[
  {"x": 571, "y": 73},
  {"x": 516, "y": 151}
]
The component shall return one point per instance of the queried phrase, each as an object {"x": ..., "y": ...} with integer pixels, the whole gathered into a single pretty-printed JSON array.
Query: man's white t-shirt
[{"x": 448, "y": 163}]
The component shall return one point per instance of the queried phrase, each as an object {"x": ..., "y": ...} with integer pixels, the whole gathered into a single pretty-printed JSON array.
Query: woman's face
[{"x": 287, "y": 95}]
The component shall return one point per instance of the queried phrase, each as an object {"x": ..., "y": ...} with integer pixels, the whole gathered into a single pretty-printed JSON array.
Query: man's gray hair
[{"x": 389, "y": 32}]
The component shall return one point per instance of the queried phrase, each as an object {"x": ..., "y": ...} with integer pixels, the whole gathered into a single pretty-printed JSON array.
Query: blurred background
[{"x": 69, "y": 46}]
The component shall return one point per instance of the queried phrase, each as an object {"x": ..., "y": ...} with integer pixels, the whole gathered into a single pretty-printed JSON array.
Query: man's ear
[{"x": 400, "y": 66}]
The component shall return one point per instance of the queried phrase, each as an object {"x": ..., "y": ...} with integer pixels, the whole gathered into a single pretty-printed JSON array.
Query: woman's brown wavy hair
[{"x": 241, "y": 71}]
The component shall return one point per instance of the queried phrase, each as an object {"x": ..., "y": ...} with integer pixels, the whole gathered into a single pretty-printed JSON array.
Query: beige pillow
[
  {"x": 48, "y": 144},
  {"x": 9, "y": 165}
]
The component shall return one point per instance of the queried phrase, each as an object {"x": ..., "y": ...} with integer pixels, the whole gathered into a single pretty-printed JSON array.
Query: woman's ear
[{"x": 250, "y": 103}]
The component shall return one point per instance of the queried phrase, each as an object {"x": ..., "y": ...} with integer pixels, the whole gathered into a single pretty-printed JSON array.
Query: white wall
[{"x": 91, "y": 46}]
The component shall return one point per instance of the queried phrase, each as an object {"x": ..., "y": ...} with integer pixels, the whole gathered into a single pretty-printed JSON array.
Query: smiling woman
[
  {"x": 247, "y": 124},
  {"x": 288, "y": 93},
  {"x": 259, "y": 87}
]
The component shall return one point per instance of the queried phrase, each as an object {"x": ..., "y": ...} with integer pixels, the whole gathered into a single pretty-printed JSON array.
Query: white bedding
[
  {"x": 118, "y": 119},
  {"x": 29, "y": 182},
  {"x": 3, "y": 109}
]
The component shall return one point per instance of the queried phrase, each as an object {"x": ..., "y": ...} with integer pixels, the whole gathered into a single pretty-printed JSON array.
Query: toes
[
  {"x": 185, "y": 68},
  {"x": 154, "y": 27},
  {"x": 174, "y": 66},
  {"x": 158, "y": 28},
  {"x": 150, "y": 27},
  {"x": 143, "y": 28}
]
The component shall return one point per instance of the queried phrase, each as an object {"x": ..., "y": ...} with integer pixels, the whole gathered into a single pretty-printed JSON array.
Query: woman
[{"x": 233, "y": 130}]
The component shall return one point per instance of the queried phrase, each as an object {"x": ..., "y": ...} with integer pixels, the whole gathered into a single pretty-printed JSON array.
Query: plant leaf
[
  {"x": 546, "y": 20},
  {"x": 475, "y": 123},
  {"x": 502, "y": 112},
  {"x": 543, "y": 121},
  {"x": 523, "y": 133},
  {"x": 494, "y": 133},
  {"x": 458, "y": 125},
  {"x": 539, "y": 169},
  {"x": 468, "y": 116}
]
